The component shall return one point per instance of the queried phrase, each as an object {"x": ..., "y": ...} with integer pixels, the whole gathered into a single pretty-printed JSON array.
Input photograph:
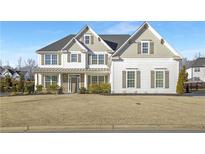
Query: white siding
[
  {"x": 144, "y": 66},
  {"x": 82, "y": 64},
  {"x": 192, "y": 74}
]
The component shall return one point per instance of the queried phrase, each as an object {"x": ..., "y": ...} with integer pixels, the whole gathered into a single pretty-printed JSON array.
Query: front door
[{"x": 74, "y": 84}]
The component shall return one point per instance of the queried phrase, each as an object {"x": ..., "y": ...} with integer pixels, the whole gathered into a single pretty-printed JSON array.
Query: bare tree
[
  {"x": 197, "y": 55},
  {"x": 19, "y": 63},
  {"x": 7, "y": 63},
  {"x": 1, "y": 63},
  {"x": 30, "y": 64}
]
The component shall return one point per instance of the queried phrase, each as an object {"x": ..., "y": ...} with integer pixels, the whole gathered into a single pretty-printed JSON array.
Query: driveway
[{"x": 97, "y": 111}]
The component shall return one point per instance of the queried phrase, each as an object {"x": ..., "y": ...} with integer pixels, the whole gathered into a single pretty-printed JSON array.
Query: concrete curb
[{"x": 111, "y": 128}]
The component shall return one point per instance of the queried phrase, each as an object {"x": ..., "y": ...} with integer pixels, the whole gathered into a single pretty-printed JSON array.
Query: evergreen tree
[
  {"x": 21, "y": 83},
  {"x": 181, "y": 81}
]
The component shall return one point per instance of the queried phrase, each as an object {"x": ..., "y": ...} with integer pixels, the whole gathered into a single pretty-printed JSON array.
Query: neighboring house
[
  {"x": 141, "y": 63},
  {"x": 9, "y": 72},
  {"x": 196, "y": 70},
  {"x": 15, "y": 75}
]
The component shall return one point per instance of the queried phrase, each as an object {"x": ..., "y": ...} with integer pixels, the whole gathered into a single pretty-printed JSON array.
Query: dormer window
[
  {"x": 87, "y": 39},
  {"x": 145, "y": 47}
]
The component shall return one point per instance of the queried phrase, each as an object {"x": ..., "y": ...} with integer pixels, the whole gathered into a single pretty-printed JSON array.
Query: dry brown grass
[{"x": 63, "y": 110}]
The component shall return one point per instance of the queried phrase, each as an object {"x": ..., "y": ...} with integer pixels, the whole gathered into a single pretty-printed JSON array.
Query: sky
[{"x": 22, "y": 39}]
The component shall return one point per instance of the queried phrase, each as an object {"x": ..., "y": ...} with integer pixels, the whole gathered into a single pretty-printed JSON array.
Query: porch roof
[{"x": 70, "y": 70}]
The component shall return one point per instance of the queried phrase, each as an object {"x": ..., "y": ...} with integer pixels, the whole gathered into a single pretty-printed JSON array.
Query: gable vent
[
  {"x": 146, "y": 26},
  {"x": 162, "y": 41},
  {"x": 99, "y": 39}
]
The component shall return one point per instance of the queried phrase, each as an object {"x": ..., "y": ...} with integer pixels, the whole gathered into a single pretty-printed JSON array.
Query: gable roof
[
  {"x": 57, "y": 45},
  {"x": 147, "y": 25},
  {"x": 115, "y": 41},
  {"x": 111, "y": 41},
  {"x": 199, "y": 62}
]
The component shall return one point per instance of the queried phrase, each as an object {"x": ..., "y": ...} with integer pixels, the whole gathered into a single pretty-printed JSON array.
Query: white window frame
[
  {"x": 76, "y": 58},
  {"x": 155, "y": 82},
  {"x": 127, "y": 78},
  {"x": 148, "y": 47},
  {"x": 103, "y": 59},
  {"x": 89, "y": 38},
  {"x": 97, "y": 54},
  {"x": 51, "y": 80},
  {"x": 97, "y": 78},
  {"x": 196, "y": 69},
  {"x": 51, "y": 61}
]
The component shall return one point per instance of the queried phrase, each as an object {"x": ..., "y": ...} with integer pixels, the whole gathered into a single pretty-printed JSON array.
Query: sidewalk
[{"x": 104, "y": 128}]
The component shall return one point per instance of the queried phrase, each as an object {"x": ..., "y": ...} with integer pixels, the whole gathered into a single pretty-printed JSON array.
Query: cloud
[{"x": 123, "y": 28}]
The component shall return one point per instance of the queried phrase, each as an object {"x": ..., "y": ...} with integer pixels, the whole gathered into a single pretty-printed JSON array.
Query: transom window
[
  {"x": 159, "y": 79},
  {"x": 130, "y": 79},
  {"x": 145, "y": 47},
  {"x": 74, "y": 57},
  {"x": 87, "y": 39},
  {"x": 98, "y": 59},
  {"x": 51, "y": 59},
  {"x": 50, "y": 80},
  {"x": 197, "y": 69}
]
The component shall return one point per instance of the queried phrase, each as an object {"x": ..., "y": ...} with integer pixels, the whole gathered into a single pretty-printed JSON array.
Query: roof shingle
[{"x": 114, "y": 41}]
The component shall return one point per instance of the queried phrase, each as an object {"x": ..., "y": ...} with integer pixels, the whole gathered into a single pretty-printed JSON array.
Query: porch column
[
  {"x": 85, "y": 81},
  {"x": 59, "y": 79},
  {"x": 40, "y": 82},
  {"x": 36, "y": 80}
]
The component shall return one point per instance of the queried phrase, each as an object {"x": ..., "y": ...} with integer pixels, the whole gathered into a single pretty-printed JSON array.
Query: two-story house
[
  {"x": 196, "y": 70},
  {"x": 141, "y": 63}
]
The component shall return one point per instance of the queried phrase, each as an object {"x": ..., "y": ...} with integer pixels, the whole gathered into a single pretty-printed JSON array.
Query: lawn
[{"x": 76, "y": 109}]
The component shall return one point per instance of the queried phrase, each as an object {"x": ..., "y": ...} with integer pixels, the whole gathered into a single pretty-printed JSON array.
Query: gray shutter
[
  {"x": 123, "y": 79},
  {"x": 89, "y": 59},
  {"x": 106, "y": 59},
  {"x": 151, "y": 47},
  {"x": 166, "y": 79},
  {"x": 59, "y": 59},
  {"x": 83, "y": 38},
  {"x": 138, "y": 79},
  {"x": 106, "y": 79},
  {"x": 68, "y": 57},
  {"x": 79, "y": 57},
  {"x": 152, "y": 79},
  {"x": 92, "y": 39},
  {"x": 42, "y": 59},
  {"x": 88, "y": 80},
  {"x": 42, "y": 80},
  {"x": 139, "y": 48}
]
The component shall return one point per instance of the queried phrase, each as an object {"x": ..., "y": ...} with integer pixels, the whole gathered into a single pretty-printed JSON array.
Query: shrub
[
  {"x": 21, "y": 83},
  {"x": 54, "y": 89},
  {"x": 39, "y": 88},
  {"x": 2, "y": 85},
  {"x": 105, "y": 88},
  {"x": 94, "y": 89},
  {"x": 29, "y": 87},
  {"x": 14, "y": 89},
  {"x": 99, "y": 89},
  {"x": 26, "y": 91},
  {"x": 181, "y": 81},
  {"x": 82, "y": 90}
]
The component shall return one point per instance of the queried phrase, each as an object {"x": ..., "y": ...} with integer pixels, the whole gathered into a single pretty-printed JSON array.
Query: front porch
[{"x": 71, "y": 82}]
